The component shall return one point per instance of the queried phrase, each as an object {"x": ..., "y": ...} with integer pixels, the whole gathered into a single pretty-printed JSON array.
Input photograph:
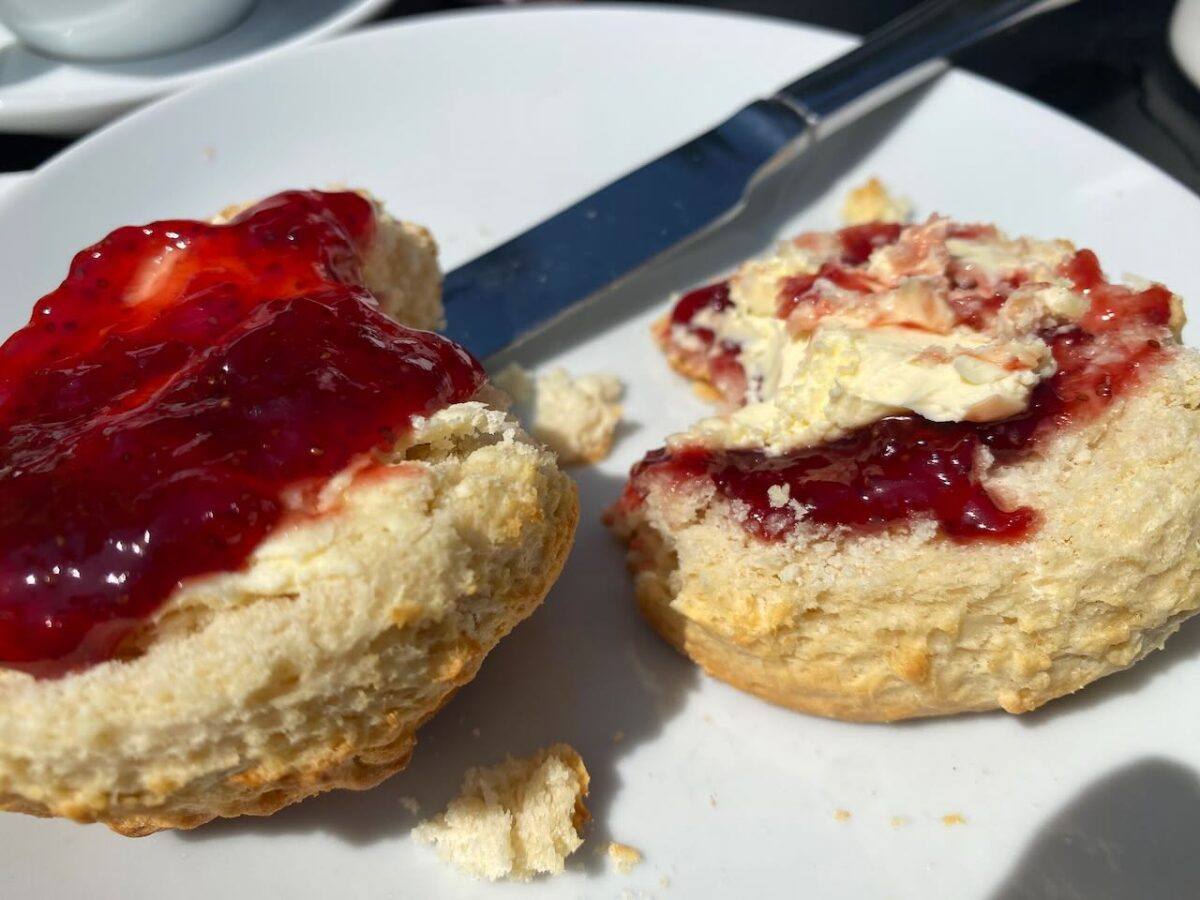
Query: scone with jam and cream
[
  {"x": 956, "y": 471},
  {"x": 255, "y": 530}
]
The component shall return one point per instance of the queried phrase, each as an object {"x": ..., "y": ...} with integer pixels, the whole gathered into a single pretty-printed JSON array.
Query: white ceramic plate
[
  {"x": 479, "y": 125},
  {"x": 50, "y": 96}
]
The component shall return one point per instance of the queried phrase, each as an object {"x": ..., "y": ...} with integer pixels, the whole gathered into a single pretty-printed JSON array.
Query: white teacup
[{"x": 117, "y": 29}]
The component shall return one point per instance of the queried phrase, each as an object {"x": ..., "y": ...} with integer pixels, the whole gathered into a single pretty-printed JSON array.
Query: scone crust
[
  {"x": 909, "y": 623},
  {"x": 312, "y": 669}
]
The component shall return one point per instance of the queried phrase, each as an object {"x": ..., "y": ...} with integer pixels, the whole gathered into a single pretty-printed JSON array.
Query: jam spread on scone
[
  {"x": 876, "y": 374},
  {"x": 187, "y": 387}
]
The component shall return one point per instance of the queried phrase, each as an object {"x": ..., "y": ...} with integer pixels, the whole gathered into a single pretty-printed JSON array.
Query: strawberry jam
[
  {"x": 165, "y": 401},
  {"x": 719, "y": 359},
  {"x": 906, "y": 467},
  {"x": 798, "y": 290},
  {"x": 712, "y": 296},
  {"x": 860, "y": 241}
]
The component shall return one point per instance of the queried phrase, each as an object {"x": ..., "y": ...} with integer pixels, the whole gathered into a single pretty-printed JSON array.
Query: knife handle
[{"x": 899, "y": 56}]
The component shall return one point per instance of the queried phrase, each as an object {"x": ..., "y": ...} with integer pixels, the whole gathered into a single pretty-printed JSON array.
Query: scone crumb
[
  {"x": 872, "y": 202},
  {"x": 517, "y": 382},
  {"x": 624, "y": 857},
  {"x": 576, "y": 416},
  {"x": 706, "y": 392},
  {"x": 618, "y": 736},
  {"x": 411, "y": 805},
  {"x": 516, "y": 819},
  {"x": 953, "y": 819},
  {"x": 664, "y": 882},
  {"x": 899, "y": 821},
  {"x": 842, "y": 815},
  {"x": 712, "y": 800}
]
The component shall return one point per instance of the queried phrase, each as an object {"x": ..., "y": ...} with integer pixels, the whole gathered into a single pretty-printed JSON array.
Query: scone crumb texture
[
  {"x": 873, "y": 202},
  {"x": 516, "y": 819},
  {"x": 624, "y": 857},
  {"x": 576, "y": 416}
]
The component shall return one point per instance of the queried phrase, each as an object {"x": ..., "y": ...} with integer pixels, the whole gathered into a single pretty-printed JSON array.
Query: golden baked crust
[{"x": 909, "y": 623}]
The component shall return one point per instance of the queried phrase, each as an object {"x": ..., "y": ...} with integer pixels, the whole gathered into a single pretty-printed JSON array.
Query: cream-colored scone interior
[
  {"x": 350, "y": 625},
  {"x": 516, "y": 819},
  {"x": 878, "y": 626},
  {"x": 844, "y": 358},
  {"x": 575, "y": 415},
  {"x": 908, "y": 623}
]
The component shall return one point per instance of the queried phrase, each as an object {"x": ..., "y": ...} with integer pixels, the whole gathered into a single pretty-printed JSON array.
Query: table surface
[{"x": 1104, "y": 62}]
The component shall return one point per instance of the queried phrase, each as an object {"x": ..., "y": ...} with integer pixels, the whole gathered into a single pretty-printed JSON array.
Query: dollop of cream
[{"x": 845, "y": 358}]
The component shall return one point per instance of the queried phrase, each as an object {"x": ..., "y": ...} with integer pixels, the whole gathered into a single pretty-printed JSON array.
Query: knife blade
[{"x": 532, "y": 280}]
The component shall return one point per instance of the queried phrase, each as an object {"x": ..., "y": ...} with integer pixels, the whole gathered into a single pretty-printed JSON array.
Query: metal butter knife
[{"x": 525, "y": 284}]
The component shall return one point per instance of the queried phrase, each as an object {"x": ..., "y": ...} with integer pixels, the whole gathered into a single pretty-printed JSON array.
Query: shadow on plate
[
  {"x": 1130, "y": 835},
  {"x": 584, "y": 669}
]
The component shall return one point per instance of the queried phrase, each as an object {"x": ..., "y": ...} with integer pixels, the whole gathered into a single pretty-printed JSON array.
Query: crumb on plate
[
  {"x": 516, "y": 819},
  {"x": 624, "y": 857},
  {"x": 872, "y": 202},
  {"x": 576, "y": 416}
]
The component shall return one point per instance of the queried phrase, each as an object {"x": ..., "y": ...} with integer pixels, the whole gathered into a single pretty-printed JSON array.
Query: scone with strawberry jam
[
  {"x": 255, "y": 530},
  {"x": 956, "y": 471}
]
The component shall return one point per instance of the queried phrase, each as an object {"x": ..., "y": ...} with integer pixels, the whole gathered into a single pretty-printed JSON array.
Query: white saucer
[
  {"x": 49, "y": 96},
  {"x": 1185, "y": 38}
]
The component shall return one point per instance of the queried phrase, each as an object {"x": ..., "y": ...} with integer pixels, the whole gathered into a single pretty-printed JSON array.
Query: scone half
[
  {"x": 915, "y": 615},
  {"x": 310, "y": 666}
]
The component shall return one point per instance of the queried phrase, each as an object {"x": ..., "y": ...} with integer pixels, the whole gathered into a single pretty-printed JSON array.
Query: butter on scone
[
  {"x": 955, "y": 472},
  {"x": 255, "y": 530}
]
